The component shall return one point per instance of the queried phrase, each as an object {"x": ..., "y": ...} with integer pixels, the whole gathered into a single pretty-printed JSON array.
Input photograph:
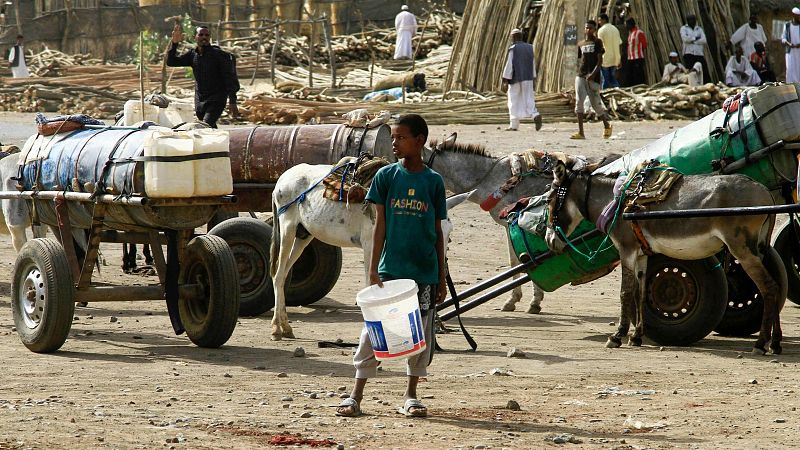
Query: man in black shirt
[
  {"x": 215, "y": 80},
  {"x": 587, "y": 83}
]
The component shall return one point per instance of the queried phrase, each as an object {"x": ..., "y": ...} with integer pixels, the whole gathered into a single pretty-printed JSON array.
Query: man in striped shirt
[{"x": 637, "y": 44}]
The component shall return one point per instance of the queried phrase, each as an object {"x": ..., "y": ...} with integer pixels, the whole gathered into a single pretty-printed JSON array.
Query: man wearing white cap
[
  {"x": 791, "y": 40},
  {"x": 406, "y": 25},
  {"x": 519, "y": 76},
  {"x": 677, "y": 73}
]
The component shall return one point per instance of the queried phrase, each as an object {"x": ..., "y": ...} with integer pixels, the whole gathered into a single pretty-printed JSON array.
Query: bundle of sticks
[
  {"x": 54, "y": 98},
  {"x": 666, "y": 102}
]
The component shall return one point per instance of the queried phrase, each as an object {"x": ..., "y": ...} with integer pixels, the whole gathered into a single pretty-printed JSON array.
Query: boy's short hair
[
  {"x": 415, "y": 123},
  {"x": 592, "y": 24},
  {"x": 604, "y": 16}
]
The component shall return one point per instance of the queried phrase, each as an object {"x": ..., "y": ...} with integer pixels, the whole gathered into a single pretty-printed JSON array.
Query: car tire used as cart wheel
[
  {"x": 685, "y": 299},
  {"x": 42, "y": 295},
  {"x": 221, "y": 216},
  {"x": 745, "y": 303},
  {"x": 209, "y": 321},
  {"x": 249, "y": 240},
  {"x": 789, "y": 251},
  {"x": 314, "y": 274}
]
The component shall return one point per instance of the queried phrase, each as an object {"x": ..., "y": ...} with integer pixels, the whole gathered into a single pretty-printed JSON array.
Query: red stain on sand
[{"x": 288, "y": 439}]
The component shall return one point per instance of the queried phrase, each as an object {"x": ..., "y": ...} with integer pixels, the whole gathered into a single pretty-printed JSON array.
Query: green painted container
[
  {"x": 568, "y": 267},
  {"x": 772, "y": 114}
]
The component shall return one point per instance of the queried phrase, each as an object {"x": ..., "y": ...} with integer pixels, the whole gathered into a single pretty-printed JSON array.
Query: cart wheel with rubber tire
[
  {"x": 42, "y": 295},
  {"x": 249, "y": 240},
  {"x": 745, "y": 303},
  {"x": 209, "y": 320},
  {"x": 685, "y": 299},
  {"x": 314, "y": 274},
  {"x": 789, "y": 251}
]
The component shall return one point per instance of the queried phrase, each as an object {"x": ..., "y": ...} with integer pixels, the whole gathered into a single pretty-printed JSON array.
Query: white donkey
[
  {"x": 335, "y": 223},
  {"x": 16, "y": 215}
]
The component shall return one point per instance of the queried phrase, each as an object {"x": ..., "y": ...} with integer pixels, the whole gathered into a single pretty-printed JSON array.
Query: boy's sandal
[
  {"x": 349, "y": 402},
  {"x": 538, "y": 122},
  {"x": 413, "y": 408},
  {"x": 577, "y": 136},
  {"x": 607, "y": 132}
]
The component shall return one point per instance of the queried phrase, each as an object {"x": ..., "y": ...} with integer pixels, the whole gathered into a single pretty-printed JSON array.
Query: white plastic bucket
[{"x": 393, "y": 320}]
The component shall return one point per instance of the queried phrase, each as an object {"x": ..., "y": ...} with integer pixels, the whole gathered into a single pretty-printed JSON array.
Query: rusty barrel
[{"x": 259, "y": 155}]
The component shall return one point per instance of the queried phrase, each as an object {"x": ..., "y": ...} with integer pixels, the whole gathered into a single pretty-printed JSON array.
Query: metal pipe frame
[
  {"x": 87, "y": 197},
  {"x": 711, "y": 212},
  {"x": 96, "y": 294},
  {"x": 485, "y": 298}
]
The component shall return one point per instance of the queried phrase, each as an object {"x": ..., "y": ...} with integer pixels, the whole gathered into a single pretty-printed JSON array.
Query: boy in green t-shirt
[{"x": 410, "y": 204}]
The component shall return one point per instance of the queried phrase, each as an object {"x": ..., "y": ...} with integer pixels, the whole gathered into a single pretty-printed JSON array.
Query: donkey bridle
[{"x": 561, "y": 195}]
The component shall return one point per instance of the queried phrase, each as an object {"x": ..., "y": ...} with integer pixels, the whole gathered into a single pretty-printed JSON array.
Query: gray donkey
[{"x": 746, "y": 237}]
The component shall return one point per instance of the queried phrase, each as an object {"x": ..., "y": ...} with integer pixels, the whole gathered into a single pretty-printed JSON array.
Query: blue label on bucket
[
  {"x": 419, "y": 327},
  {"x": 376, "y": 336},
  {"x": 415, "y": 328}
]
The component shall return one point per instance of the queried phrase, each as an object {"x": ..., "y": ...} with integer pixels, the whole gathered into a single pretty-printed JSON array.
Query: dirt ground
[{"x": 124, "y": 380}]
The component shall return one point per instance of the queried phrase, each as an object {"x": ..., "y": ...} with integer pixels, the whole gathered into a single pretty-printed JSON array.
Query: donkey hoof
[
  {"x": 509, "y": 306},
  {"x": 289, "y": 334},
  {"x": 276, "y": 337},
  {"x": 534, "y": 309},
  {"x": 635, "y": 342},
  {"x": 776, "y": 349},
  {"x": 613, "y": 342},
  {"x": 759, "y": 351}
]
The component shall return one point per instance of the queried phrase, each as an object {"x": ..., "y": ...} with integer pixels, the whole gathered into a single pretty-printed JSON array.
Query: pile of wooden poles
[
  {"x": 666, "y": 102},
  {"x": 479, "y": 49},
  {"x": 372, "y": 43},
  {"x": 56, "y": 98},
  {"x": 53, "y": 63}
]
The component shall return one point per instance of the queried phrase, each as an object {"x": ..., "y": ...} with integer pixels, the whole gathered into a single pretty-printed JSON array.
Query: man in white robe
[
  {"x": 748, "y": 34},
  {"x": 16, "y": 60},
  {"x": 677, "y": 73},
  {"x": 519, "y": 76},
  {"x": 791, "y": 41},
  {"x": 739, "y": 72},
  {"x": 406, "y": 25}
]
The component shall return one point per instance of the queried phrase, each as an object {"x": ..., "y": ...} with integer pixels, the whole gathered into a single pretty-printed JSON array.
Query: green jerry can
[
  {"x": 568, "y": 267},
  {"x": 771, "y": 113}
]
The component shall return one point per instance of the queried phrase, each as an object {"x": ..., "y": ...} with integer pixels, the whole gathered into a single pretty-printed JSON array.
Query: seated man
[
  {"x": 759, "y": 62},
  {"x": 739, "y": 72},
  {"x": 676, "y": 73}
]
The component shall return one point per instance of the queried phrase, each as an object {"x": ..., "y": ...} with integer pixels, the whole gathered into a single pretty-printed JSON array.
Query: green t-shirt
[{"x": 414, "y": 201}]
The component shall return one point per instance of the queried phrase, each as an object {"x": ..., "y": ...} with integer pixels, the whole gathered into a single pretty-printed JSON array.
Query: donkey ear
[{"x": 559, "y": 170}]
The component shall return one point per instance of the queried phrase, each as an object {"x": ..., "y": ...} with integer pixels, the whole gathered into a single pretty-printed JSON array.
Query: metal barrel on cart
[{"x": 124, "y": 185}]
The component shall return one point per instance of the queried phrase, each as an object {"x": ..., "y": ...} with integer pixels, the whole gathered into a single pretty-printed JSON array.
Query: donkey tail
[{"x": 275, "y": 243}]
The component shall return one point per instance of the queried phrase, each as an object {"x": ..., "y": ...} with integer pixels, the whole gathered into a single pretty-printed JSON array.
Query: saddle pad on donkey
[
  {"x": 657, "y": 181},
  {"x": 349, "y": 184}
]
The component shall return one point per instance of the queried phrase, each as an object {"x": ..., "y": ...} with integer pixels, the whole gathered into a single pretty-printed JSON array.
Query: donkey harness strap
[{"x": 637, "y": 231}]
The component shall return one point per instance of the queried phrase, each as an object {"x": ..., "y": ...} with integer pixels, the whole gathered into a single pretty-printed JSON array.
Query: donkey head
[{"x": 562, "y": 205}]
